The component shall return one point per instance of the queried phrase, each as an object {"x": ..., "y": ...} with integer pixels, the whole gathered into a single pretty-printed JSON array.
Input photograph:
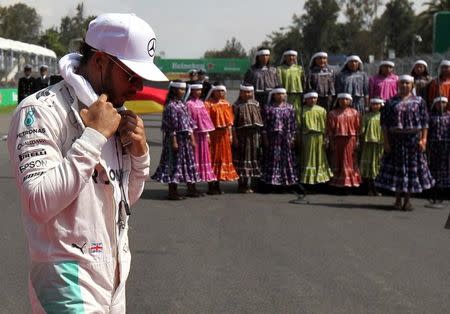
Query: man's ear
[{"x": 98, "y": 59}]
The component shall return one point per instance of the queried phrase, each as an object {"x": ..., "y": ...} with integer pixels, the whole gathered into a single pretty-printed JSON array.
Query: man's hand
[
  {"x": 132, "y": 133},
  {"x": 101, "y": 116}
]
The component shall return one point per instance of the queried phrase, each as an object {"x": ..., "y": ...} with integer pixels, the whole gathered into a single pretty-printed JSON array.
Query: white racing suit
[{"x": 70, "y": 195}]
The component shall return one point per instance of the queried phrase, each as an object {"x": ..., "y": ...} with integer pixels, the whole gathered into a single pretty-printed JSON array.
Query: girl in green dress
[
  {"x": 314, "y": 166},
  {"x": 372, "y": 145}
]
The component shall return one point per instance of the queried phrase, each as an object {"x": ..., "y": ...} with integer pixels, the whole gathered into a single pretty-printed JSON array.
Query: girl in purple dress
[
  {"x": 177, "y": 162},
  {"x": 279, "y": 133},
  {"x": 439, "y": 142},
  {"x": 203, "y": 125},
  {"x": 404, "y": 167}
]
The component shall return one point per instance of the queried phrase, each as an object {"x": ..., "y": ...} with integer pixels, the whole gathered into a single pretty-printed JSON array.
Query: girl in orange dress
[
  {"x": 440, "y": 85},
  {"x": 221, "y": 113},
  {"x": 343, "y": 124}
]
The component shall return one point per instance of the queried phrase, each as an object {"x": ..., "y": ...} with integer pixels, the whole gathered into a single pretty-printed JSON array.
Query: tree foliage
[
  {"x": 233, "y": 49},
  {"x": 424, "y": 22},
  {"x": 363, "y": 31},
  {"x": 395, "y": 27},
  {"x": 20, "y": 22}
]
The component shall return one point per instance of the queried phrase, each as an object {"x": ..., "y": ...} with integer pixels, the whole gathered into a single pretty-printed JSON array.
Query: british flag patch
[{"x": 96, "y": 247}]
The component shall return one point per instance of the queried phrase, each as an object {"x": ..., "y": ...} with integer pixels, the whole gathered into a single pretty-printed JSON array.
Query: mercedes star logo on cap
[{"x": 151, "y": 47}]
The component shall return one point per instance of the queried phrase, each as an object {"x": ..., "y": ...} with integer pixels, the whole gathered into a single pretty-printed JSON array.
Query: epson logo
[
  {"x": 32, "y": 153},
  {"x": 30, "y": 143},
  {"x": 32, "y": 131},
  {"x": 33, "y": 164}
]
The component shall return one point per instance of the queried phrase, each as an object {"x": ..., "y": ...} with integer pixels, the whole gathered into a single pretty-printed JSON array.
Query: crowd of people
[{"x": 290, "y": 125}]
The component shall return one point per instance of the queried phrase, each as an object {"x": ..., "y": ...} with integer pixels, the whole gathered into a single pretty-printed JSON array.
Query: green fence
[
  {"x": 8, "y": 97},
  {"x": 210, "y": 65}
]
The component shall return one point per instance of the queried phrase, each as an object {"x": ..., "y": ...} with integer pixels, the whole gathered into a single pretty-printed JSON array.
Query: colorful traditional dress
[
  {"x": 292, "y": 79},
  {"x": 384, "y": 87},
  {"x": 439, "y": 148},
  {"x": 202, "y": 125},
  {"x": 438, "y": 88},
  {"x": 322, "y": 80},
  {"x": 372, "y": 145},
  {"x": 405, "y": 168},
  {"x": 221, "y": 114},
  {"x": 342, "y": 127},
  {"x": 263, "y": 79},
  {"x": 313, "y": 158},
  {"x": 279, "y": 161},
  {"x": 247, "y": 124},
  {"x": 176, "y": 166},
  {"x": 356, "y": 84}
]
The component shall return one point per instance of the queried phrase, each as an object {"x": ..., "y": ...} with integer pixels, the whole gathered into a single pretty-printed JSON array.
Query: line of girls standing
[
  {"x": 270, "y": 133},
  {"x": 376, "y": 128},
  {"x": 214, "y": 141}
]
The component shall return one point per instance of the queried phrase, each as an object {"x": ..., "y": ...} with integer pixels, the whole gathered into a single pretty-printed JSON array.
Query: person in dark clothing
[
  {"x": 26, "y": 84},
  {"x": 43, "y": 81},
  {"x": 205, "y": 81}
]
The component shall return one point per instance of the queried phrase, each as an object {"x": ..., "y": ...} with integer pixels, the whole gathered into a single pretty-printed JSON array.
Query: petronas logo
[{"x": 29, "y": 117}]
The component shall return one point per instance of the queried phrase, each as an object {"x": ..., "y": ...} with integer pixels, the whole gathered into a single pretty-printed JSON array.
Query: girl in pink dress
[
  {"x": 384, "y": 85},
  {"x": 203, "y": 125}
]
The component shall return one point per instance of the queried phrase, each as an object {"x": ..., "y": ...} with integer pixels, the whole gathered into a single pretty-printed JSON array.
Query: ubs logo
[{"x": 151, "y": 47}]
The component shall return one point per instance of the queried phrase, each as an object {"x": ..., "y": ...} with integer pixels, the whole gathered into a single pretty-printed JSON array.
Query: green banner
[
  {"x": 8, "y": 97},
  {"x": 441, "y": 38},
  {"x": 210, "y": 65}
]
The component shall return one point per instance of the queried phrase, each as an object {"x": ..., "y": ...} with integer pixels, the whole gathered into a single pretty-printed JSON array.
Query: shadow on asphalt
[
  {"x": 155, "y": 194},
  {"x": 356, "y": 206}
]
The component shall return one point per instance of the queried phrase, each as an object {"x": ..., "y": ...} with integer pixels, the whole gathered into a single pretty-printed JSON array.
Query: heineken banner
[
  {"x": 8, "y": 97},
  {"x": 210, "y": 65}
]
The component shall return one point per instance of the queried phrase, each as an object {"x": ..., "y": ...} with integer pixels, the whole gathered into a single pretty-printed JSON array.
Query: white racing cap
[{"x": 128, "y": 38}]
